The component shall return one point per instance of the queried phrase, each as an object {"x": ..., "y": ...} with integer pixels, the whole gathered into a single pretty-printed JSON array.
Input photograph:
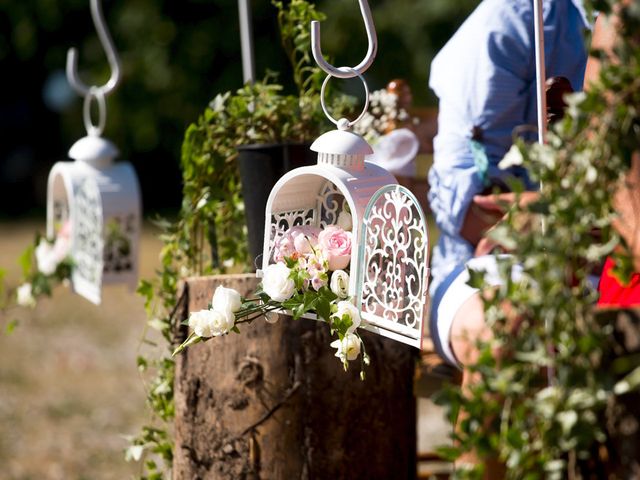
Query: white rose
[
  {"x": 24, "y": 296},
  {"x": 226, "y": 300},
  {"x": 348, "y": 349},
  {"x": 45, "y": 258},
  {"x": 344, "y": 221},
  {"x": 276, "y": 282},
  {"x": 211, "y": 323},
  {"x": 349, "y": 309},
  {"x": 340, "y": 283},
  {"x": 197, "y": 318},
  {"x": 221, "y": 322}
]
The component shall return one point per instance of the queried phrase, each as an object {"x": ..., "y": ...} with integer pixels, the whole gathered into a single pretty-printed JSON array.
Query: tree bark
[{"x": 274, "y": 403}]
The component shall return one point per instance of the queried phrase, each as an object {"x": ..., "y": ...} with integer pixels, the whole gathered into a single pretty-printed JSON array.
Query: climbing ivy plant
[
  {"x": 547, "y": 379},
  {"x": 209, "y": 235}
]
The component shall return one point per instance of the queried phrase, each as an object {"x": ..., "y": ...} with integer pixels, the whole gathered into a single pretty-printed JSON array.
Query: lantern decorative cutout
[
  {"x": 393, "y": 265},
  {"x": 98, "y": 199}
]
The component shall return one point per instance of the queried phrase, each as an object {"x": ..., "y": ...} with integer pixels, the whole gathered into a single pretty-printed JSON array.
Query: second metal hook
[
  {"x": 112, "y": 57},
  {"x": 371, "y": 50}
]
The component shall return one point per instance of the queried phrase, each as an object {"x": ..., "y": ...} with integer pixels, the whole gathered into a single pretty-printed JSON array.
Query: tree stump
[{"x": 274, "y": 403}]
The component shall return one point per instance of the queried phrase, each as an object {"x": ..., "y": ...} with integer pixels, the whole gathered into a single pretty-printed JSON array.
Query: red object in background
[{"x": 613, "y": 293}]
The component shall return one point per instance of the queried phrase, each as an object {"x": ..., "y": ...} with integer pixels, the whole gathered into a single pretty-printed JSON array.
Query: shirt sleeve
[{"x": 482, "y": 78}]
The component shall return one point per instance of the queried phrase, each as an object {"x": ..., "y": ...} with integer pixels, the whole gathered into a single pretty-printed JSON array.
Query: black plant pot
[{"x": 261, "y": 166}]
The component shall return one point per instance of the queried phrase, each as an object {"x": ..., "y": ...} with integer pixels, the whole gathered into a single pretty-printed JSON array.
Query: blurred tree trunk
[{"x": 274, "y": 403}]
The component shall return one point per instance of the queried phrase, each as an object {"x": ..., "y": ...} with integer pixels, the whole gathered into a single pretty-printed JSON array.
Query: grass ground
[{"x": 69, "y": 386}]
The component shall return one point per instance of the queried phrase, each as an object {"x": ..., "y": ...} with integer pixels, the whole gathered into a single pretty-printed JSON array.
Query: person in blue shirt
[{"x": 485, "y": 81}]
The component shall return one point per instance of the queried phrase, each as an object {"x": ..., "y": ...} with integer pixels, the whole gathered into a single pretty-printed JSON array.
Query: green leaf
[
  {"x": 290, "y": 262},
  {"x": 327, "y": 294},
  {"x": 340, "y": 325},
  {"x": 11, "y": 326},
  {"x": 298, "y": 311},
  {"x": 323, "y": 308},
  {"x": 145, "y": 289},
  {"x": 309, "y": 300},
  {"x": 142, "y": 363},
  {"x": 25, "y": 260},
  {"x": 293, "y": 302}
]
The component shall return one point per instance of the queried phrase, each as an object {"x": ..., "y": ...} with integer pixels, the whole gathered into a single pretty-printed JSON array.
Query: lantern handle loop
[
  {"x": 94, "y": 130},
  {"x": 112, "y": 57},
  {"x": 343, "y": 123},
  {"x": 371, "y": 50}
]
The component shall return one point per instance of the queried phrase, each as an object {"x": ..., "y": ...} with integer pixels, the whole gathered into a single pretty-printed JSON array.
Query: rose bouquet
[{"x": 309, "y": 275}]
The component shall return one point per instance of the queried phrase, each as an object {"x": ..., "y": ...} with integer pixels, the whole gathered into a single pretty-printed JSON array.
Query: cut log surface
[{"x": 275, "y": 403}]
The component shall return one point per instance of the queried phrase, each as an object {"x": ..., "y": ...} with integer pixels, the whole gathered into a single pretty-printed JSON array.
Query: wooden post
[{"x": 274, "y": 403}]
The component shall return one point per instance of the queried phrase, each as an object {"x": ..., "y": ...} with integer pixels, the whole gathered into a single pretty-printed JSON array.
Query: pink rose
[
  {"x": 335, "y": 244},
  {"x": 305, "y": 238},
  {"x": 283, "y": 248},
  {"x": 296, "y": 241}
]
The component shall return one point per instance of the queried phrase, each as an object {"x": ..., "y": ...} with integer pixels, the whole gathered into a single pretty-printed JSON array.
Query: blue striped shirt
[{"x": 485, "y": 77}]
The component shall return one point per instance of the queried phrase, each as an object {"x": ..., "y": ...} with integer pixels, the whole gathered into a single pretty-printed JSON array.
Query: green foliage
[
  {"x": 546, "y": 378},
  {"x": 293, "y": 22},
  {"x": 311, "y": 300}
]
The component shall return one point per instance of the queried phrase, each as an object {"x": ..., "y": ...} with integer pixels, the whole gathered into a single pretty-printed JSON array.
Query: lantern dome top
[
  {"x": 341, "y": 142},
  {"x": 94, "y": 150}
]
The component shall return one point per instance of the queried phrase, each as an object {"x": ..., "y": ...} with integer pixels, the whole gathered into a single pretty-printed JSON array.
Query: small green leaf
[
  {"x": 11, "y": 326},
  {"x": 290, "y": 262},
  {"x": 323, "y": 308},
  {"x": 293, "y": 302},
  {"x": 142, "y": 363},
  {"x": 25, "y": 260}
]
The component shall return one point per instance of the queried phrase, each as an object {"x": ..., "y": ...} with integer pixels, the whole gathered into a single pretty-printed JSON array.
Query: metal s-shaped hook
[
  {"x": 371, "y": 50},
  {"x": 112, "y": 57}
]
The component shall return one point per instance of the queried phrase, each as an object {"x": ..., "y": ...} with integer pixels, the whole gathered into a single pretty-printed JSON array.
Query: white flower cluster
[
  {"x": 50, "y": 254},
  {"x": 220, "y": 318},
  {"x": 382, "y": 115},
  {"x": 24, "y": 295},
  {"x": 348, "y": 349}
]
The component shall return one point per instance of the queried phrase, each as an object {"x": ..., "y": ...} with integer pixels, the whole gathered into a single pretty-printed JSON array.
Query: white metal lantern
[
  {"x": 390, "y": 244},
  {"x": 97, "y": 198},
  {"x": 101, "y": 200},
  {"x": 389, "y": 271}
]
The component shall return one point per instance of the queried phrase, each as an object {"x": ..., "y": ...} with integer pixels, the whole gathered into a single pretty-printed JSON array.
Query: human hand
[
  {"x": 497, "y": 205},
  {"x": 486, "y": 211}
]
